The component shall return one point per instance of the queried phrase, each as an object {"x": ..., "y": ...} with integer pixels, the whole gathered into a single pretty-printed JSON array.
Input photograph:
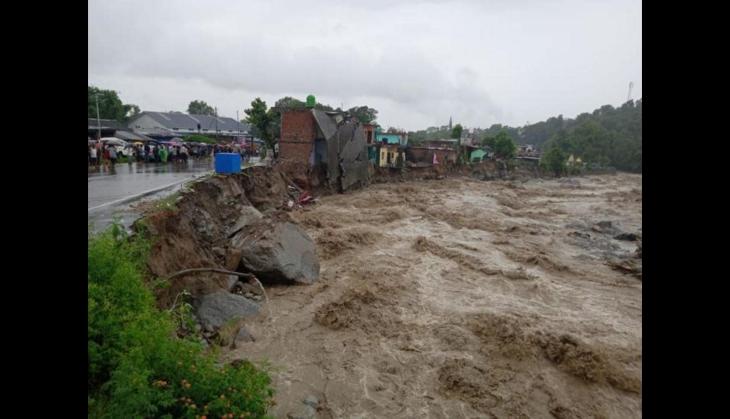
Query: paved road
[{"x": 112, "y": 192}]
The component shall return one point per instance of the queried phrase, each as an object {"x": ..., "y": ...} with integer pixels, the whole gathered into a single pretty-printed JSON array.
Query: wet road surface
[{"x": 111, "y": 193}]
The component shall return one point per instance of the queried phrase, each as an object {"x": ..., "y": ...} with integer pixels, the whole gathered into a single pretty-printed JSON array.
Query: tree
[
  {"x": 198, "y": 107},
  {"x": 456, "y": 131},
  {"x": 364, "y": 114},
  {"x": 284, "y": 104},
  {"x": 130, "y": 111},
  {"x": 288, "y": 103},
  {"x": 553, "y": 160},
  {"x": 258, "y": 116},
  {"x": 504, "y": 146},
  {"x": 110, "y": 105},
  {"x": 488, "y": 141}
]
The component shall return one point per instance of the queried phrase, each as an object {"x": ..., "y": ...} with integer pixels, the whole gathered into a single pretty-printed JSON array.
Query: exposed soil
[{"x": 459, "y": 298}]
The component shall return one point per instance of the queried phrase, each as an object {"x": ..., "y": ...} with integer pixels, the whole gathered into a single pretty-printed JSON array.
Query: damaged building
[{"x": 319, "y": 148}]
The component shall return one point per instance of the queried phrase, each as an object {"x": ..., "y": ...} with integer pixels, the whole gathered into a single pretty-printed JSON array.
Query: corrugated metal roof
[
  {"x": 105, "y": 124},
  {"x": 325, "y": 122},
  {"x": 126, "y": 135},
  {"x": 183, "y": 121}
]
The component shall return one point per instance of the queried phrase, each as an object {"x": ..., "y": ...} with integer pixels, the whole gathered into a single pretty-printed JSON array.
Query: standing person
[
  {"x": 112, "y": 155},
  {"x": 184, "y": 153},
  {"x": 92, "y": 155},
  {"x": 105, "y": 155}
]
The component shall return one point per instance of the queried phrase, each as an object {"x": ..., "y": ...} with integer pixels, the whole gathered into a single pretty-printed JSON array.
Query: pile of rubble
[{"x": 236, "y": 224}]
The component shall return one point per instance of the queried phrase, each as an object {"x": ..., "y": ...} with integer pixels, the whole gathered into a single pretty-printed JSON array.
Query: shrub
[
  {"x": 553, "y": 160},
  {"x": 137, "y": 365},
  {"x": 504, "y": 146}
]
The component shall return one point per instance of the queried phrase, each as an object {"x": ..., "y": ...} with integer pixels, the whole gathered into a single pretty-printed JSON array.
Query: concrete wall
[
  {"x": 425, "y": 155},
  {"x": 393, "y": 152},
  {"x": 369, "y": 131},
  {"x": 298, "y": 131}
]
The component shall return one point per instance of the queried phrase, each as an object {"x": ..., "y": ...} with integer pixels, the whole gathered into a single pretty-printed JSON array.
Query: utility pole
[
  {"x": 98, "y": 120},
  {"x": 631, "y": 85},
  {"x": 216, "y": 122}
]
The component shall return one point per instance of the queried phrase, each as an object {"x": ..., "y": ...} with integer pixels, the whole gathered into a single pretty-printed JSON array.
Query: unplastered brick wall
[{"x": 298, "y": 132}]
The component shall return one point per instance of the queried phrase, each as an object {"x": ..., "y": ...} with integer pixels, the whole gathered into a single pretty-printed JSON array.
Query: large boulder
[
  {"x": 247, "y": 216},
  {"x": 216, "y": 309},
  {"x": 277, "y": 251}
]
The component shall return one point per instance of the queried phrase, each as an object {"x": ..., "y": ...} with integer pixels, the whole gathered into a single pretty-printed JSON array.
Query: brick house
[{"x": 323, "y": 147}]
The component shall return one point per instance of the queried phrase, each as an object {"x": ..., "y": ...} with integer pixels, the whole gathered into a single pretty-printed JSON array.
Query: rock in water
[
  {"x": 278, "y": 252},
  {"x": 216, "y": 309}
]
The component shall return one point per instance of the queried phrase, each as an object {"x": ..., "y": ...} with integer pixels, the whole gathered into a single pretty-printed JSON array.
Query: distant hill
[{"x": 607, "y": 136}]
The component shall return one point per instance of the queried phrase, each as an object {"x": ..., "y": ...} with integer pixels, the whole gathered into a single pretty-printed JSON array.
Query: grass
[{"x": 138, "y": 367}]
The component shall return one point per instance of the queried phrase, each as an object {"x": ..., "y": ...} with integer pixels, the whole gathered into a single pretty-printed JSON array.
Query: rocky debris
[
  {"x": 278, "y": 252},
  {"x": 232, "y": 259},
  {"x": 218, "y": 308},
  {"x": 247, "y": 216},
  {"x": 231, "y": 281},
  {"x": 265, "y": 187},
  {"x": 197, "y": 232}
]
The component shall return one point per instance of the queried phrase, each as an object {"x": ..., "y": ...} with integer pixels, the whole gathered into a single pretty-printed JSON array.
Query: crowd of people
[{"x": 100, "y": 154}]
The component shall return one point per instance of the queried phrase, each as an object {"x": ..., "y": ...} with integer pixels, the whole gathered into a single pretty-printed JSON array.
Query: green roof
[{"x": 477, "y": 154}]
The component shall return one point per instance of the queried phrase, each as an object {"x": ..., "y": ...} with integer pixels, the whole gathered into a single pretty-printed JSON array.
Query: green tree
[
  {"x": 110, "y": 105},
  {"x": 504, "y": 146},
  {"x": 199, "y": 107},
  {"x": 288, "y": 103},
  {"x": 553, "y": 160},
  {"x": 261, "y": 119},
  {"x": 284, "y": 104},
  {"x": 364, "y": 114},
  {"x": 456, "y": 131},
  {"x": 130, "y": 111}
]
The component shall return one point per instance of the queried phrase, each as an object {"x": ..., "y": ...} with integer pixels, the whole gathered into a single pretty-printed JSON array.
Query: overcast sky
[{"x": 417, "y": 62}]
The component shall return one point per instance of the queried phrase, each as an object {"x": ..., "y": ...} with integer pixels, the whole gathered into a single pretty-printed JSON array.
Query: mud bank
[{"x": 200, "y": 227}]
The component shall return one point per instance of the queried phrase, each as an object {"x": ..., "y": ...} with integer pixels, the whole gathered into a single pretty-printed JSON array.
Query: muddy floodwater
[{"x": 459, "y": 298}]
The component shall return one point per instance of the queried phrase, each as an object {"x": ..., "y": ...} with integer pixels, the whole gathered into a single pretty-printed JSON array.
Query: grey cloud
[{"x": 480, "y": 61}]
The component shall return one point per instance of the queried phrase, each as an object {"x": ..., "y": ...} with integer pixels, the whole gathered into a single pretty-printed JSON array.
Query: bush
[
  {"x": 504, "y": 146},
  {"x": 137, "y": 365},
  {"x": 553, "y": 160}
]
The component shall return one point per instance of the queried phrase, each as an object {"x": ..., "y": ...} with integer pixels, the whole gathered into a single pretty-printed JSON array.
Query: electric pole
[
  {"x": 631, "y": 85},
  {"x": 98, "y": 120}
]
